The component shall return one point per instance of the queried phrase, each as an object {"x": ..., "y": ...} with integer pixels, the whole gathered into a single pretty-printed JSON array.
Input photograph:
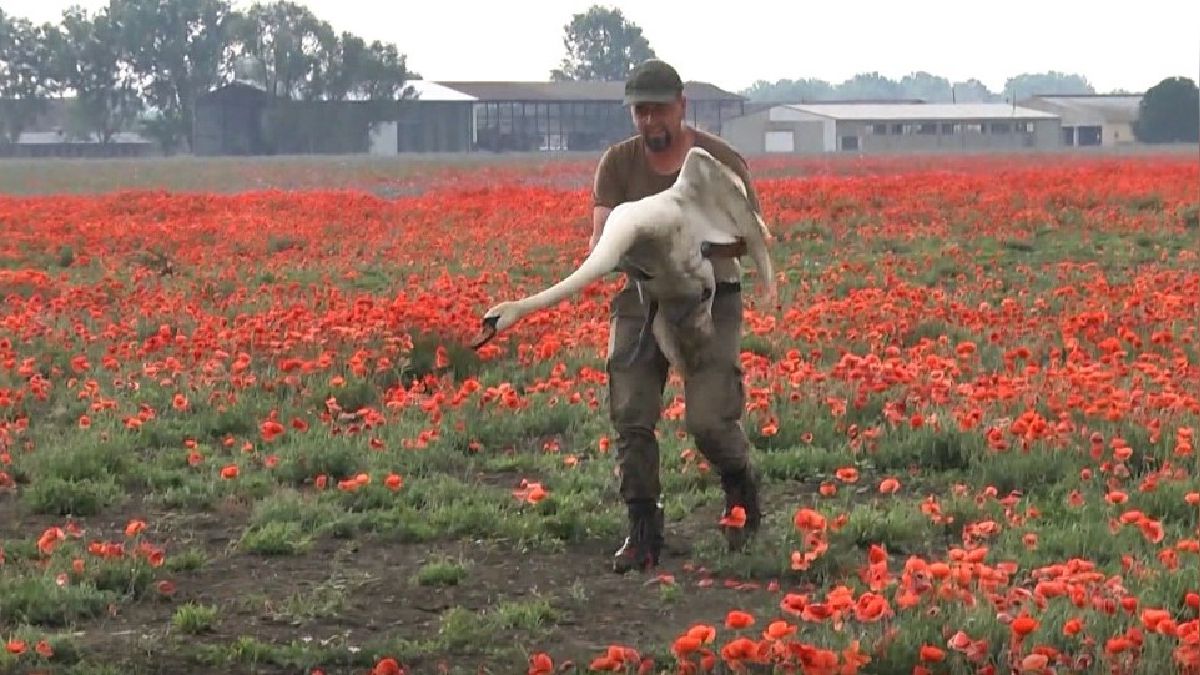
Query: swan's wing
[{"x": 719, "y": 207}]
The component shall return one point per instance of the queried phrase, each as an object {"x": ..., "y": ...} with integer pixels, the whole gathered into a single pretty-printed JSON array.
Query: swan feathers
[{"x": 664, "y": 236}]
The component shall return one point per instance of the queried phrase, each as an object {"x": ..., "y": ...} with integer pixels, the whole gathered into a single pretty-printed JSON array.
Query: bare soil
[{"x": 380, "y": 600}]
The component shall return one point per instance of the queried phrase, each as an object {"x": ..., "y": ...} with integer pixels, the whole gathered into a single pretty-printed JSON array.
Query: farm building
[
  {"x": 229, "y": 121},
  {"x": 240, "y": 118},
  {"x": 56, "y": 131},
  {"x": 41, "y": 144},
  {"x": 532, "y": 116},
  {"x": 437, "y": 120},
  {"x": 892, "y": 127},
  {"x": 1092, "y": 119},
  {"x": 752, "y": 107}
]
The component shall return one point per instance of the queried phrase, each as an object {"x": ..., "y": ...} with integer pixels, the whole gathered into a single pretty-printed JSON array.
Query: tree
[
  {"x": 346, "y": 61},
  {"x": 354, "y": 70},
  {"x": 870, "y": 86},
  {"x": 1168, "y": 112},
  {"x": 972, "y": 91},
  {"x": 1050, "y": 82},
  {"x": 158, "y": 56},
  {"x": 790, "y": 91},
  {"x": 919, "y": 85},
  {"x": 27, "y": 78},
  {"x": 303, "y": 58},
  {"x": 601, "y": 45},
  {"x": 89, "y": 60},
  {"x": 384, "y": 74},
  {"x": 177, "y": 50},
  {"x": 293, "y": 44},
  {"x": 927, "y": 87}
]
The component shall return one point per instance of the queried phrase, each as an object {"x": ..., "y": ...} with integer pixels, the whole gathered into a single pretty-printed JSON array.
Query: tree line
[
  {"x": 147, "y": 61},
  {"x": 920, "y": 85},
  {"x": 601, "y": 43}
]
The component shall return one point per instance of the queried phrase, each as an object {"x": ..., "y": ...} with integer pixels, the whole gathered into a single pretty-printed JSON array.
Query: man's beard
[{"x": 658, "y": 143}]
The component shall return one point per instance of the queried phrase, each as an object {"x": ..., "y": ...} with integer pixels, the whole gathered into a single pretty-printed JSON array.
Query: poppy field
[{"x": 241, "y": 430}]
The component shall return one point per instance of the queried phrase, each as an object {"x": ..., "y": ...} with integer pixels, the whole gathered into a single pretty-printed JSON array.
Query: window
[
  {"x": 1000, "y": 128},
  {"x": 926, "y": 129},
  {"x": 505, "y": 115},
  {"x": 877, "y": 129},
  {"x": 948, "y": 129},
  {"x": 849, "y": 142},
  {"x": 1089, "y": 135}
]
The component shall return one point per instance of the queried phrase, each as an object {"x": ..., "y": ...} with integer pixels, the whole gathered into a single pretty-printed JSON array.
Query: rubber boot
[
  {"x": 741, "y": 489},
  {"x": 643, "y": 547}
]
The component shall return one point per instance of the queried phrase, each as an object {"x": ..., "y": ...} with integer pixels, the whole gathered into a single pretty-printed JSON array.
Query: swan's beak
[{"x": 486, "y": 332}]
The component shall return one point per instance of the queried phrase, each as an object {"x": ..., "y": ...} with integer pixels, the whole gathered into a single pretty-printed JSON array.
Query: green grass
[{"x": 308, "y": 558}]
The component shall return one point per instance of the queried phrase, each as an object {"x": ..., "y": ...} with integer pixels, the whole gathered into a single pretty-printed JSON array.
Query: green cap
[{"x": 653, "y": 81}]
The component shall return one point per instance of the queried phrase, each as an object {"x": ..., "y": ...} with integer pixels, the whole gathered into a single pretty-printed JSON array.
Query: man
[{"x": 645, "y": 164}]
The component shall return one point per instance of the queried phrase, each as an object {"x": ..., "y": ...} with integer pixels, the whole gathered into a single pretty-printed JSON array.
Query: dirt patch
[{"x": 363, "y": 592}]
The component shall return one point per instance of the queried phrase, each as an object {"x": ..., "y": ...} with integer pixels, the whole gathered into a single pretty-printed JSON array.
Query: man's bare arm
[
  {"x": 599, "y": 216},
  {"x": 608, "y": 189}
]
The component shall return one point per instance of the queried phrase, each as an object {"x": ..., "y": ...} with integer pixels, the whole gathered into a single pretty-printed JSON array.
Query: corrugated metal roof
[
  {"x": 236, "y": 89},
  {"x": 1118, "y": 108},
  {"x": 758, "y": 106},
  {"x": 53, "y": 138},
  {"x": 433, "y": 91},
  {"x": 573, "y": 91},
  {"x": 922, "y": 111}
]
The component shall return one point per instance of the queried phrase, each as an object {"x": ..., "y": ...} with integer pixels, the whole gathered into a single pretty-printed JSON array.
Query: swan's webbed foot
[
  {"x": 675, "y": 313},
  {"x": 645, "y": 335}
]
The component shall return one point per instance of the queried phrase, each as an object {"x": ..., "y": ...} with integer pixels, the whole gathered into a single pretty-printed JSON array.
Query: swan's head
[
  {"x": 705, "y": 164},
  {"x": 497, "y": 319}
]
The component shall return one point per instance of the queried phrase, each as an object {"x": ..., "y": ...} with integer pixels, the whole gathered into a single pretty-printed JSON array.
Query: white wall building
[
  {"x": 892, "y": 127},
  {"x": 1092, "y": 119}
]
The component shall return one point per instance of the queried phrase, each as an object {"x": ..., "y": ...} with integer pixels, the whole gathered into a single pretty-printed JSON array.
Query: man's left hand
[{"x": 768, "y": 294}]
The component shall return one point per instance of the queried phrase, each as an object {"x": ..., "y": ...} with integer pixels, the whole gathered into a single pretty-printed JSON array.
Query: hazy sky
[{"x": 1115, "y": 45}]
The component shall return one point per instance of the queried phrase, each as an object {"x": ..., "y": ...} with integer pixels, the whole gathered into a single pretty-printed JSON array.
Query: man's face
[{"x": 659, "y": 123}]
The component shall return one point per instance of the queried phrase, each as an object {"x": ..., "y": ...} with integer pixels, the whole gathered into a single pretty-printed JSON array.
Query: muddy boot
[
  {"x": 643, "y": 546},
  {"x": 741, "y": 489}
]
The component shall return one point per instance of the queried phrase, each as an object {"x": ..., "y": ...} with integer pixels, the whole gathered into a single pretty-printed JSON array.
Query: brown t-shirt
[{"x": 624, "y": 175}]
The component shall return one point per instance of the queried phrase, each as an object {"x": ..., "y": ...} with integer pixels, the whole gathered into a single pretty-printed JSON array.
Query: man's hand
[
  {"x": 770, "y": 293},
  {"x": 768, "y": 296}
]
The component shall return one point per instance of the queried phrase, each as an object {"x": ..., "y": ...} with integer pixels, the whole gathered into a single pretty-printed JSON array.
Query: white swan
[{"x": 663, "y": 241}]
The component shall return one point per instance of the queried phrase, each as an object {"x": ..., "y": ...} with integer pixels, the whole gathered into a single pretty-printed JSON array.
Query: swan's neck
[{"x": 616, "y": 238}]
